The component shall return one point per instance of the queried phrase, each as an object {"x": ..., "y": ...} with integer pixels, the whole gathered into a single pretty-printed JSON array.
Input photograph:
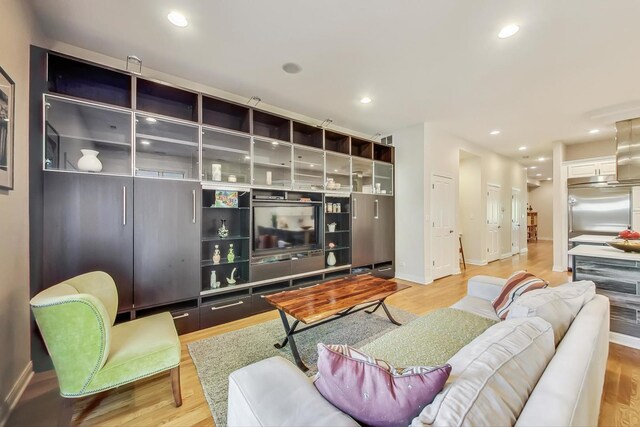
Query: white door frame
[
  {"x": 516, "y": 227},
  {"x": 452, "y": 255},
  {"x": 497, "y": 253}
]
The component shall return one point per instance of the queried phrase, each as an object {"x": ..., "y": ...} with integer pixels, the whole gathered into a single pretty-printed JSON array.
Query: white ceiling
[{"x": 572, "y": 62}]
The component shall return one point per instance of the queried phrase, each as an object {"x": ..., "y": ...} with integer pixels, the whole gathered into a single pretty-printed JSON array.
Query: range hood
[{"x": 628, "y": 150}]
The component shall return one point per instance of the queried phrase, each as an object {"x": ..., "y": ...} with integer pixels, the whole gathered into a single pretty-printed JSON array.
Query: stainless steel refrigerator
[{"x": 599, "y": 210}]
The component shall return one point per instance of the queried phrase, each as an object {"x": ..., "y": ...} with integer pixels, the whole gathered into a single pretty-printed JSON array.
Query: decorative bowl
[{"x": 626, "y": 245}]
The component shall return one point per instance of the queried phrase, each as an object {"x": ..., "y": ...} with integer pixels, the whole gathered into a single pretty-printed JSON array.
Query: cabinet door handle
[
  {"x": 376, "y": 214},
  {"x": 308, "y": 287},
  {"x": 124, "y": 205},
  {"x": 384, "y": 269},
  {"x": 227, "y": 306},
  {"x": 193, "y": 196},
  {"x": 355, "y": 208},
  {"x": 181, "y": 316}
]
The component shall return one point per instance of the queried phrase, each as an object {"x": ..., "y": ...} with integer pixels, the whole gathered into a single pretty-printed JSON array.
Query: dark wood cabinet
[
  {"x": 384, "y": 229},
  {"x": 166, "y": 241},
  {"x": 88, "y": 226},
  {"x": 362, "y": 224}
]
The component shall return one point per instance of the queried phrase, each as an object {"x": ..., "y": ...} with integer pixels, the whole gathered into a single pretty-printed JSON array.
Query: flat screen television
[{"x": 285, "y": 228}]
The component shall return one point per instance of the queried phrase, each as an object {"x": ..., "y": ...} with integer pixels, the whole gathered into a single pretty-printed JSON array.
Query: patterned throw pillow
[
  {"x": 517, "y": 284},
  {"x": 372, "y": 391}
]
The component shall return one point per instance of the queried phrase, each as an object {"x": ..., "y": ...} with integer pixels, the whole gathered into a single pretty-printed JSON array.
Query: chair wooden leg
[
  {"x": 65, "y": 415},
  {"x": 175, "y": 386}
]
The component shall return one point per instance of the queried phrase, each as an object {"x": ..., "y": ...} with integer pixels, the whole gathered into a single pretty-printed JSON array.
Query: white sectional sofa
[{"x": 274, "y": 392}]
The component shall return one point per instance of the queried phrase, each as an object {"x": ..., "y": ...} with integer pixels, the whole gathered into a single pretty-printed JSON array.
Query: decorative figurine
[
  {"x": 331, "y": 259},
  {"x": 213, "y": 282},
  {"x": 216, "y": 255},
  {"x": 231, "y": 256},
  {"x": 223, "y": 231},
  {"x": 231, "y": 280}
]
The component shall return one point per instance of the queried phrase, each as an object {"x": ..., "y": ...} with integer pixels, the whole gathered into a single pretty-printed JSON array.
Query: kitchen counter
[
  {"x": 604, "y": 252},
  {"x": 592, "y": 238}
]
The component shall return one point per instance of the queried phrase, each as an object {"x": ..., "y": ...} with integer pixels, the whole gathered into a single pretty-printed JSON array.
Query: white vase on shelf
[
  {"x": 89, "y": 161},
  {"x": 331, "y": 259}
]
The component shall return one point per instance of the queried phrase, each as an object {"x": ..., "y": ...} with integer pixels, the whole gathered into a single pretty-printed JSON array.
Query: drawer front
[
  {"x": 270, "y": 270},
  {"x": 387, "y": 272},
  {"x": 307, "y": 264},
  {"x": 186, "y": 320},
  {"x": 224, "y": 311},
  {"x": 259, "y": 304}
]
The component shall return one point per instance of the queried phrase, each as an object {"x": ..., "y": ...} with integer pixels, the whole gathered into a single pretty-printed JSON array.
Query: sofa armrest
[
  {"x": 274, "y": 392},
  {"x": 485, "y": 287}
]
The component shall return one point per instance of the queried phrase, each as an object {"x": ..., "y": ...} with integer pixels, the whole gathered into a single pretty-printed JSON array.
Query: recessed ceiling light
[
  {"x": 594, "y": 131},
  {"x": 335, "y": 170},
  {"x": 533, "y": 167},
  {"x": 292, "y": 68},
  {"x": 541, "y": 159},
  {"x": 177, "y": 19},
  {"x": 145, "y": 142},
  {"x": 548, "y": 179},
  {"x": 151, "y": 120},
  {"x": 538, "y": 174},
  {"x": 365, "y": 100},
  {"x": 494, "y": 132},
  {"x": 522, "y": 148},
  {"x": 508, "y": 31}
]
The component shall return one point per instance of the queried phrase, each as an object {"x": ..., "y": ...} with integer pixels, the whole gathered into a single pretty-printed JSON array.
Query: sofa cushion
[
  {"x": 372, "y": 391},
  {"x": 517, "y": 284},
  {"x": 476, "y": 305},
  {"x": 493, "y": 376},
  {"x": 558, "y": 305}
]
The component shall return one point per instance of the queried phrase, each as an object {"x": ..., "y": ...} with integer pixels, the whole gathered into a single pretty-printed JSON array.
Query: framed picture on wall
[{"x": 7, "y": 120}]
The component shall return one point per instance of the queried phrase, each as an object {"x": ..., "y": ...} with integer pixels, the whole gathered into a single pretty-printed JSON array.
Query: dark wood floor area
[{"x": 150, "y": 402}]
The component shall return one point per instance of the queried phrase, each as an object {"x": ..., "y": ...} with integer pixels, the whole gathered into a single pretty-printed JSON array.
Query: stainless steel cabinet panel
[
  {"x": 384, "y": 231},
  {"x": 362, "y": 224}
]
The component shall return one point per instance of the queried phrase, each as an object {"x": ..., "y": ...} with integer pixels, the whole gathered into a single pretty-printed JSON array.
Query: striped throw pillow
[{"x": 517, "y": 284}]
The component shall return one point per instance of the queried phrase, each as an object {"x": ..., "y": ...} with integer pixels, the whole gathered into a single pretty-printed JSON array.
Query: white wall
[
  {"x": 560, "y": 229},
  {"x": 539, "y": 199},
  {"x": 16, "y": 33},
  {"x": 441, "y": 156},
  {"x": 590, "y": 150},
  {"x": 469, "y": 209}
]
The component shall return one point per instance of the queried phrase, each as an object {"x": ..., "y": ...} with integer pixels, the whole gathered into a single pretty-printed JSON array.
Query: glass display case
[
  {"x": 308, "y": 169},
  {"x": 226, "y": 157},
  {"x": 271, "y": 163},
  {"x": 83, "y": 137},
  {"x": 383, "y": 178},
  {"x": 166, "y": 149},
  {"x": 338, "y": 172},
  {"x": 361, "y": 175}
]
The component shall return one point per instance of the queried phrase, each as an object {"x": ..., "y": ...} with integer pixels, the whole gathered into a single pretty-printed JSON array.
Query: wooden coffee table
[{"x": 325, "y": 302}]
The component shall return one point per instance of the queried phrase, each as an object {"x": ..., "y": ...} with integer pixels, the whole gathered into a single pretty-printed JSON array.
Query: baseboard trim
[
  {"x": 505, "y": 256},
  {"x": 412, "y": 278},
  {"x": 524, "y": 250},
  {"x": 625, "y": 340},
  {"x": 13, "y": 397},
  {"x": 558, "y": 269},
  {"x": 476, "y": 262}
]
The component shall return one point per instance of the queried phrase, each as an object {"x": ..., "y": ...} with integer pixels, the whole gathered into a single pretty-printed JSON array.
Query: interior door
[
  {"x": 362, "y": 223},
  {"x": 443, "y": 240},
  {"x": 89, "y": 227},
  {"x": 493, "y": 223},
  {"x": 515, "y": 221},
  {"x": 166, "y": 241},
  {"x": 384, "y": 232}
]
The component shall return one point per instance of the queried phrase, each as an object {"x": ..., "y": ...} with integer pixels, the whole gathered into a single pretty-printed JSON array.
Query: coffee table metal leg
[
  {"x": 375, "y": 308},
  {"x": 386, "y": 310},
  {"x": 292, "y": 343}
]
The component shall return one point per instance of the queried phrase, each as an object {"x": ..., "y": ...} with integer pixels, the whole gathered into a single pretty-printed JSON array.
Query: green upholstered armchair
[{"x": 90, "y": 354}]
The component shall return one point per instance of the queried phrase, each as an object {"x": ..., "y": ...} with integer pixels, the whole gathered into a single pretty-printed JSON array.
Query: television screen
[{"x": 284, "y": 227}]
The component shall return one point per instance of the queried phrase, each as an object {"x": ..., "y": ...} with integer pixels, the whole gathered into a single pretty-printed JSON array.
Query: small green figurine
[{"x": 231, "y": 256}]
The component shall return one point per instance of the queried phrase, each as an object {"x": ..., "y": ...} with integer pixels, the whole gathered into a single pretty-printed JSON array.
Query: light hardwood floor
[{"x": 150, "y": 402}]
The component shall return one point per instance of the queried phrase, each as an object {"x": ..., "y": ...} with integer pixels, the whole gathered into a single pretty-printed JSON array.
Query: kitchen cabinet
[
  {"x": 88, "y": 226},
  {"x": 166, "y": 241},
  {"x": 592, "y": 168}
]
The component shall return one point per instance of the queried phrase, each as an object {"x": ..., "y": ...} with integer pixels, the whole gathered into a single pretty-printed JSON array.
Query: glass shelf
[
  {"x": 220, "y": 239},
  {"x": 227, "y": 153},
  {"x": 308, "y": 169},
  {"x": 338, "y": 173},
  {"x": 271, "y": 163},
  {"x": 362, "y": 175},
  {"x": 72, "y": 126},
  {"x": 209, "y": 263},
  {"x": 383, "y": 178},
  {"x": 166, "y": 149},
  {"x": 337, "y": 248}
]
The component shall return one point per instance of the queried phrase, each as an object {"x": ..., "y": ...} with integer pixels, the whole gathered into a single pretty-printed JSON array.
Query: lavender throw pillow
[{"x": 373, "y": 392}]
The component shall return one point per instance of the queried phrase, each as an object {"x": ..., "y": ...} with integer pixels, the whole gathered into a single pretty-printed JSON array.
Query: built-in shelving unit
[
  {"x": 310, "y": 136},
  {"x": 337, "y": 142},
  {"x": 337, "y": 242},
  {"x": 226, "y": 115},
  {"x": 361, "y": 148},
  {"x": 166, "y": 100},
  {"x": 271, "y": 126}
]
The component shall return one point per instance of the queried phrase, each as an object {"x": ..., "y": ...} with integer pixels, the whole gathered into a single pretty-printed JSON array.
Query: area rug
[{"x": 217, "y": 357}]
